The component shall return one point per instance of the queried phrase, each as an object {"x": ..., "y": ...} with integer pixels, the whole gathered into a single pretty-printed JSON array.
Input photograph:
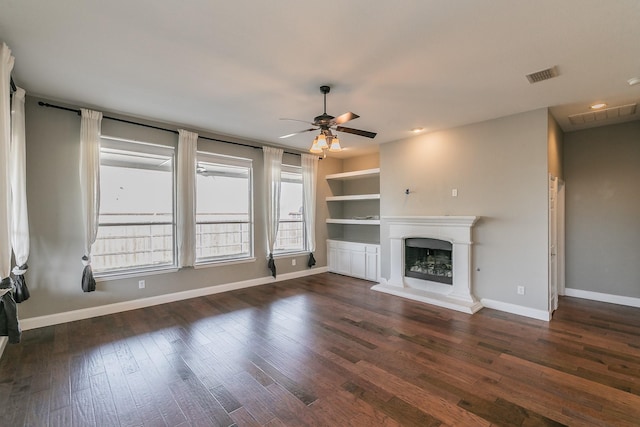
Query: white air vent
[
  {"x": 605, "y": 114},
  {"x": 541, "y": 75}
]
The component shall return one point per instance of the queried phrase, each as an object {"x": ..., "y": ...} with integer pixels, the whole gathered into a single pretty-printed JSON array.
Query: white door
[{"x": 553, "y": 243}]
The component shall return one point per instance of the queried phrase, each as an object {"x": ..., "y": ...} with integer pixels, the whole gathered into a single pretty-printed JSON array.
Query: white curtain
[
  {"x": 272, "y": 168},
  {"x": 186, "y": 214},
  {"x": 90, "y": 127},
  {"x": 6, "y": 65},
  {"x": 309, "y": 175},
  {"x": 19, "y": 216}
]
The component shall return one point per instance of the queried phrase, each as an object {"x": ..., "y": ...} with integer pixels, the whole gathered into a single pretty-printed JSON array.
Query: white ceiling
[{"x": 236, "y": 67}]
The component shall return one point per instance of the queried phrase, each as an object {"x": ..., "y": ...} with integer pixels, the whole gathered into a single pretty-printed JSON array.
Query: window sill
[
  {"x": 104, "y": 277},
  {"x": 223, "y": 262},
  {"x": 278, "y": 255}
]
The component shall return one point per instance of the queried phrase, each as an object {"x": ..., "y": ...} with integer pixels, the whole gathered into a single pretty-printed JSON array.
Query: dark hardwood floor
[{"x": 325, "y": 350}]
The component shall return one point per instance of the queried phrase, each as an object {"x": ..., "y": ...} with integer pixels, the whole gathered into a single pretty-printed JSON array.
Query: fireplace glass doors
[{"x": 428, "y": 259}]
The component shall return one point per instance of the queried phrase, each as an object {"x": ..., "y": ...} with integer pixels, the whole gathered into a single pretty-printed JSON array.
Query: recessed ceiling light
[
  {"x": 598, "y": 106},
  {"x": 416, "y": 130}
]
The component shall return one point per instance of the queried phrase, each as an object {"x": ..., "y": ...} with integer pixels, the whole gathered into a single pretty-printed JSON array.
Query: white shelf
[
  {"x": 366, "y": 173},
  {"x": 353, "y": 197},
  {"x": 353, "y": 221}
]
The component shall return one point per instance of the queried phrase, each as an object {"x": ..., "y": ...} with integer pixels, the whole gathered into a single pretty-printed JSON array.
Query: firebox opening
[{"x": 428, "y": 259}]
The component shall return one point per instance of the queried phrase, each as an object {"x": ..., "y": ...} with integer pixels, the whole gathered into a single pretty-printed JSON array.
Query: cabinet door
[
  {"x": 343, "y": 262},
  {"x": 332, "y": 258},
  {"x": 358, "y": 264},
  {"x": 372, "y": 266}
]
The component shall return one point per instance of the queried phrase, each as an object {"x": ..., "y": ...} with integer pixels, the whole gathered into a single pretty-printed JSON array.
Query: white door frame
[{"x": 560, "y": 258}]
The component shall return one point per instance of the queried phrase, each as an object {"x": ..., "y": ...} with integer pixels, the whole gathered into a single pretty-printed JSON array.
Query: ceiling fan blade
[
  {"x": 297, "y": 120},
  {"x": 356, "y": 132},
  {"x": 296, "y": 133},
  {"x": 343, "y": 118}
]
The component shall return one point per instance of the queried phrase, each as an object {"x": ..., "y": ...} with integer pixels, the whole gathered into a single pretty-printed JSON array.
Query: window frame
[
  {"x": 148, "y": 148},
  {"x": 291, "y": 169},
  {"x": 233, "y": 161}
]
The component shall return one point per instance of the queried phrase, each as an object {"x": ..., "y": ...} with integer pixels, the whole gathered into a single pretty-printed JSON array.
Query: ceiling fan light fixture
[
  {"x": 322, "y": 141},
  {"x": 598, "y": 106},
  {"x": 335, "y": 145},
  {"x": 315, "y": 147}
]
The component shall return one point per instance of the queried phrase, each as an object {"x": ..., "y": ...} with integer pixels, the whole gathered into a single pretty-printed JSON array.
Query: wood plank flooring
[{"x": 325, "y": 350}]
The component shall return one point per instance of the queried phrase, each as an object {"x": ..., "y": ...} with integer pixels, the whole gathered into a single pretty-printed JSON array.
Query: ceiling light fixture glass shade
[
  {"x": 335, "y": 144},
  {"x": 315, "y": 147},
  {"x": 322, "y": 141}
]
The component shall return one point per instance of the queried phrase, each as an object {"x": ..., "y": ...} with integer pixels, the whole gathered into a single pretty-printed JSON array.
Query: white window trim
[
  {"x": 129, "y": 274},
  {"x": 209, "y": 157},
  {"x": 116, "y": 143},
  {"x": 295, "y": 252},
  {"x": 220, "y": 263}
]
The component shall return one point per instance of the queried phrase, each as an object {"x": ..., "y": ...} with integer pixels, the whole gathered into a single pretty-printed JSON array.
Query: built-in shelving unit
[
  {"x": 353, "y": 248},
  {"x": 353, "y": 221},
  {"x": 365, "y": 173},
  {"x": 353, "y": 197},
  {"x": 368, "y": 219}
]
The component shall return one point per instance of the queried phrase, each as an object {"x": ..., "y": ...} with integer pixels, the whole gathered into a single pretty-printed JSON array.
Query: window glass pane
[
  {"x": 291, "y": 235},
  {"x": 223, "y": 209},
  {"x": 136, "y": 210}
]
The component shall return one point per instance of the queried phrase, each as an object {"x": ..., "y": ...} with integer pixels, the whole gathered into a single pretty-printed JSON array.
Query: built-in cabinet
[
  {"x": 354, "y": 223},
  {"x": 360, "y": 260}
]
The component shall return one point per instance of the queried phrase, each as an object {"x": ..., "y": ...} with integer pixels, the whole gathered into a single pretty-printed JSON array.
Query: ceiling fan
[{"x": 325, "y": 123}]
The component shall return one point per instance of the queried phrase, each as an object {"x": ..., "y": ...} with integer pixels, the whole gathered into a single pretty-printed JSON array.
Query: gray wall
[
  {"x": 555, "y": 142},
  {"x": 602, "y": 175},
  {"x": 499, "y": 168},
  {"x": 56, "y": 229}
]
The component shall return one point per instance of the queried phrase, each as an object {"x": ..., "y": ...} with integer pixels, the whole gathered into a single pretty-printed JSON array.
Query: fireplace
[
  {"x": 428, "y": 259},
  {"x": 437, "y": 249}
]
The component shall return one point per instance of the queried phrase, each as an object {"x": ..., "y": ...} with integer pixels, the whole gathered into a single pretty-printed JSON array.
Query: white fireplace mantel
[{"x": 455, "y": 229}]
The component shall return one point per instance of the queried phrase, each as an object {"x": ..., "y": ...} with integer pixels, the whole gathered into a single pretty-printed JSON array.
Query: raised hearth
[{"x": 454, "y": 229}]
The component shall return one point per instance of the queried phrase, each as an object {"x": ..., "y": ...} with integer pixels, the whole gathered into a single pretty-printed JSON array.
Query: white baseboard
[
  {"x": 598, "y": 296},
  {"x": 86, "y": 313},
  {"x": 516, "y": 309}
]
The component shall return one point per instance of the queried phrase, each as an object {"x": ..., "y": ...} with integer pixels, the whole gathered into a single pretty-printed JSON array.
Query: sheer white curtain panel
[
  {"x": 272, "y": 179},
  {"x": 186, "y": 212},
  {"x": 19, "y": 214},
  {"x": 90, "y": 128},
  {"x": 309, "y": 176},
  {"x": 6, "y": 66}
]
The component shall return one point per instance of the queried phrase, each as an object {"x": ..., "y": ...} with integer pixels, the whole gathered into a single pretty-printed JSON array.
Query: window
[
  {"x": 224, "y": 212},
  {"x": 136, "y": 223},
  {"x": 291, "y": 231}
]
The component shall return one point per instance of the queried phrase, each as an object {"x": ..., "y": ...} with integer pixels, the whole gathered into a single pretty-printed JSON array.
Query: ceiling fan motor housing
[{"x": 323, "y": 120}]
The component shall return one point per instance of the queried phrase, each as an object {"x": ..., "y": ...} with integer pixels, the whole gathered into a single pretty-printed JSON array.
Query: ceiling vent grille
[
  {"x": 541, "y": 75},
  {"x": 606, "y": 114}
]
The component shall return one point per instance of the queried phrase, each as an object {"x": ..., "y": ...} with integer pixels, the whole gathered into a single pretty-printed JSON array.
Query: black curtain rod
[{"x": 77, "y": 111}]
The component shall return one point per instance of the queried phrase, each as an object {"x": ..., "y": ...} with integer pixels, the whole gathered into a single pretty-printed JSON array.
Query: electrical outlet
[
  {"x": 141, "y": 284},
  {"x": 293, "y": 261},
  {"x": 454, "y": 192},
  {"x": 520, "y": 290}
]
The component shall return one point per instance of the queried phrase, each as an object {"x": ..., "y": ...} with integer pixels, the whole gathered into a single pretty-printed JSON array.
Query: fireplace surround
[{"x": 454, "y": 230}]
